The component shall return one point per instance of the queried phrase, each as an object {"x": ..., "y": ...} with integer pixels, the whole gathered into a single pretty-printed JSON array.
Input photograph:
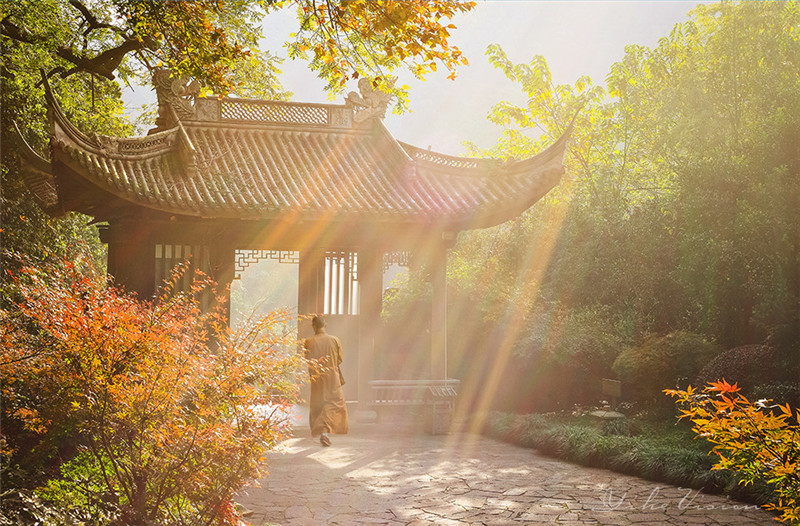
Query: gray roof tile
[{"x": 274, "y": 158}]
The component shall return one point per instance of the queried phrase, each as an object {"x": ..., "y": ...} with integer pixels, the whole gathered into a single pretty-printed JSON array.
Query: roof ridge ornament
[
  {"x": 370, "y": 103},
  {"x": 176, "y": 98}
]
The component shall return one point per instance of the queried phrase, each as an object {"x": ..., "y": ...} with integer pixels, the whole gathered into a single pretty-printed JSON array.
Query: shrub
[
  {"x": 582, "y": 347},
  {"x": 749, "y": 365},
  {"x": 663, "y": 362},
  {"x": 781, "y": 392},
  {"x": 665, "y": 453},
  {"x": 754, "y": 440},
  {"x": 136, "y": 412},
  {"x": 558, "y": 361}
]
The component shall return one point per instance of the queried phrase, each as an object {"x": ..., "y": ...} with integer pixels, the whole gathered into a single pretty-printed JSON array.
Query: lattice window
[
  {"x": 197, "y": 257},
  {"x": 402, "y": 259},
  {"x": 341, "y": 283},
  {"x": 275, "y": 112},
  {"x": 247, "y": 257}
]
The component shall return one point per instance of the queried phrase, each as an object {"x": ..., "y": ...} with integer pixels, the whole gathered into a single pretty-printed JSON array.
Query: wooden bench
[{"x": 436, "y": 395}]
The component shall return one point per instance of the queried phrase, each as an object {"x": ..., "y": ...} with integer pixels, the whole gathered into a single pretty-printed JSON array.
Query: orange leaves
[
  {"x": 365, "y": 37},
  {"x": 754, "y": 439},
  {"x": 722, "y": 387},
  {"x": 31, "y": 420},
  {"x": 145, "y": 387}
]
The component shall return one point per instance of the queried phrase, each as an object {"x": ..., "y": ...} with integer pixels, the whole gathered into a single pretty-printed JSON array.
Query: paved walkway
[{"x": 374, "y": 476}]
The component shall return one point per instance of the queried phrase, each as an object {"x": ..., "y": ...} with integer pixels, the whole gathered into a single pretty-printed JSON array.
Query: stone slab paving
[{"x": 379, "y": 476}]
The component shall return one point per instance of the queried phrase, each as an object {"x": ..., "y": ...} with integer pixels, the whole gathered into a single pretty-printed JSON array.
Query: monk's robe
[{"x": 328, "y": 409}]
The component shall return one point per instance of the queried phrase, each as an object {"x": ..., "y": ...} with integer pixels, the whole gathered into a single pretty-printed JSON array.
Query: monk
[{"x": 328, "y": 409}]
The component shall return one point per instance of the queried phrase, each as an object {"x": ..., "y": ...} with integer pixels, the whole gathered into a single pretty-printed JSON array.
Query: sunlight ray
[{"x": 539, "y": 257}]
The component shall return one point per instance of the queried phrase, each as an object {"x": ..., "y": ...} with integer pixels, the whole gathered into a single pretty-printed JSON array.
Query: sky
[{"x": 576, "y": 37}]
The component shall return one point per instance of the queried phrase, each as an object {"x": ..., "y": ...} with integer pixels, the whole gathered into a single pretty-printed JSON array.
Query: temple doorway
[{"x": 264, "y": 281}]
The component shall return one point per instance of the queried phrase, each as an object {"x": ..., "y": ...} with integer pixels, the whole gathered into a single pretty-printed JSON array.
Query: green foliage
[
  {"x": 664, "y": 453},
  {"x": 678, "y": 210},
  {"x": 751, "y": 365},
  {"x": 204, "y": 39},
  {"x": 93, "y": 103},
  {"x": 587, "y": 339},
  {"x": 755, "y": 440},
  {"x": 126, "y": 412},
  {"x": 80, "y": 490},
  {"x": 216, "y": 41},
  {"x": 86, "y": 48},
  {"x": 662, "y": 362},
  {"x": 680, "y": 206}
]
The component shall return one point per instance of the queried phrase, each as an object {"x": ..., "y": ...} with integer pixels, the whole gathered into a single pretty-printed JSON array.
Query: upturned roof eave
[
  {"x": 535, "y": 176},
  {"x": 481, "y": 166},
  {"x": 494, "y": 216},
  {"x": 37, "y": 175}
]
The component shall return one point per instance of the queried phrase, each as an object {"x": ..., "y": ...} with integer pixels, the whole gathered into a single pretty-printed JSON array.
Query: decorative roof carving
[
  {"x": 174, "y": 94},
  {"x": 370, "y": 103}
]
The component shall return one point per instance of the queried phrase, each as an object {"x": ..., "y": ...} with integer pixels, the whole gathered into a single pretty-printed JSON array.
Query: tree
[
  {"x": 122, "y": 411},
  {"x": 754, "y": 439},
  {"x": 678, "y": 205},
  {"x": 86, "y": 48},
  {"x": 209, "y": 40}
]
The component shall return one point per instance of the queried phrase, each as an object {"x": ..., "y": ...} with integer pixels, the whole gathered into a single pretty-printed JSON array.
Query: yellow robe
[{"x": 328, "y": 409}]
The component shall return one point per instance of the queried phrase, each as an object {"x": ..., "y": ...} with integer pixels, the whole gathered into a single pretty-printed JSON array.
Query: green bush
[
  {"x": 662, "y": 453},
  {"x": 780, "y": 392},
  {"x": 663, "y": 362},
  {"x": 582, "y": 346},
  {"x": 748, "y": 366},
  {"x": 559, "y": 360}
]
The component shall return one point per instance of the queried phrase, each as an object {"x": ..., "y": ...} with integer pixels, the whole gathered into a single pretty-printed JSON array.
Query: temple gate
[{"x": 325, "y": 184}]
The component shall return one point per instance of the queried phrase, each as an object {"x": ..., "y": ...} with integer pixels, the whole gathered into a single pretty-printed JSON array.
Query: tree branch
[
  {"x": 90, "y": 19},
  {"x": 103, "y": 64}
]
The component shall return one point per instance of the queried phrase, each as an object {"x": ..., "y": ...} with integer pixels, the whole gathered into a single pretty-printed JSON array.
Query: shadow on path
[{"x": 392, "y": 474}]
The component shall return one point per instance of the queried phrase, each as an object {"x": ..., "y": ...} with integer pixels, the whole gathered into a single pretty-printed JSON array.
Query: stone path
[{"x": 374, "y": 476}]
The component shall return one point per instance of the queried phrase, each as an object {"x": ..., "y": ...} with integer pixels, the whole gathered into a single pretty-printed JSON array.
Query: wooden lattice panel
[
  {"x": 402, "y": 259},
  {"x": 194, "y": 257},
  {"x": 247, "y": 257},
  {"x": 340, "y": 294},
  {"x": 343, "y": 257},
  {"x": 275, "y": 112}
]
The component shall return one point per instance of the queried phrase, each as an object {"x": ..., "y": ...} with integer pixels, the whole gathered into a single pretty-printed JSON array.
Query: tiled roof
[
  {"x": 36, "y": 173},
  {"x": 256, "y": 160}
]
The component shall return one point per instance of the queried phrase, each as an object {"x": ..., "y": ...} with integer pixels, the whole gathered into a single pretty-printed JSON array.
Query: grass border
[{"x": 654, "y": 452}]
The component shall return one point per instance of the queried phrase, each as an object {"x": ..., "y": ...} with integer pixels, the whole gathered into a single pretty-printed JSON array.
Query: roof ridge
[
  {"x": 374, "y": 176},
  {"x": 140, "y": 147}
]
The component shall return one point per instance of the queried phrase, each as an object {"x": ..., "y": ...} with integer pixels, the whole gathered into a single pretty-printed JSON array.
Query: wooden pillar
[
  {"x": 131, "y": 257},
  {"x": 438, "y": 351},
  {"x": 370, "y": 284},
  {"x": 222, "y": 260},
  {"x": 310, "y": 287}
]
